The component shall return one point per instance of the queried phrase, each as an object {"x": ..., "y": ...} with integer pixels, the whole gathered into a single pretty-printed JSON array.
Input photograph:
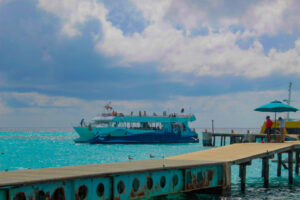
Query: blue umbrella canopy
[{"x": 276, "y": 106}]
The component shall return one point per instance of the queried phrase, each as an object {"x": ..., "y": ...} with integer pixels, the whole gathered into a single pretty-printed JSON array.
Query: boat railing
[{"x": 167, "y": 116}]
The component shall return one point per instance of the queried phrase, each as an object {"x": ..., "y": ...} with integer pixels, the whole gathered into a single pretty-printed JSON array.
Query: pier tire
[
  {"x": 100, "y": 190},
  {"x": 58, "y": 194},
  {"x": 20, "y": 196},
  {"x": 82, "y": 192},
  {"x": 40, "y": 195},
  {"x": 175, "y": 180},
  {"x": 135, "y": 184},
  {"x": 121, "y": 187},
  {"x": 149, "y": 183},
  {"x": 162, "y": 181}
]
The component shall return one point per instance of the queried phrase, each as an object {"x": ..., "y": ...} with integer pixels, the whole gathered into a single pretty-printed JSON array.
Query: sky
[{"x": 62, "y": 60}]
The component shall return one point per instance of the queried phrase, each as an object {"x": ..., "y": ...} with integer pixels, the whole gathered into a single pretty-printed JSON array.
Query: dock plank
[
  {"x": 24, "y": 177},
  {"x": 234, "y": 154},
  {"x": 237, "y": 152}
]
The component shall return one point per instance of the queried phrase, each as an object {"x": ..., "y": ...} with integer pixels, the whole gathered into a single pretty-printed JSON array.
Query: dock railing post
[
  {"x": 290, "y": 161},
  {"x": 297, "y": 160},
  {"x": 221, "y": 141},
  {"x": 266, "y": 171},
  {"x": 207, "y": 138},
  {"x": 279, "y": 163}
]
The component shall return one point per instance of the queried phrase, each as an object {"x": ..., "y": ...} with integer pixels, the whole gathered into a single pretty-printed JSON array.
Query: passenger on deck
[
  {"x": 165, "y": 113},
  {"x": 281, "y": 127},
  {"x": 269, "y": 125},
  {"x": 82, "y": 123}
]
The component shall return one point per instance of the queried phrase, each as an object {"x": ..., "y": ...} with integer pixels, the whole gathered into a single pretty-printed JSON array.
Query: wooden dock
[
  {"x": 209, "y": 138},
  {"x": 209, "y": 169}
]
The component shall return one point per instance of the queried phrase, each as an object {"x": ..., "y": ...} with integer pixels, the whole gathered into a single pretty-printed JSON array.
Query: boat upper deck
[{"x": 148, "y": 118}]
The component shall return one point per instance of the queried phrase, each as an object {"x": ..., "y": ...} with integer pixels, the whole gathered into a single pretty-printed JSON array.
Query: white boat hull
[{"x": 85, "y": 134}]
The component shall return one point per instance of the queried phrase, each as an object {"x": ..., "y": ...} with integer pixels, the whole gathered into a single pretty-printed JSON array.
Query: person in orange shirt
[{"x": 269, "y": 125}]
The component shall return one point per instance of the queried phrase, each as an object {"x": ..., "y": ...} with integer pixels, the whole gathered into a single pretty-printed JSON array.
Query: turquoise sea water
[{"x": 35, "y": 148}]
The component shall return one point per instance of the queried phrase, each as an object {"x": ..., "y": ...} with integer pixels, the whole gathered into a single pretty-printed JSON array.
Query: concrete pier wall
[{"x": 124, "y": 186}]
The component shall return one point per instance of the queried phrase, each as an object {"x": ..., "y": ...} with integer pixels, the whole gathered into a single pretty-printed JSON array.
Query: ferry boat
[{"x": 112, "y": 127}]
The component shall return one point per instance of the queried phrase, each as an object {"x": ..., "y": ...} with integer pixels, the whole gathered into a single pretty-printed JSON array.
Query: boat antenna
[{"x": 289, "y": 100}]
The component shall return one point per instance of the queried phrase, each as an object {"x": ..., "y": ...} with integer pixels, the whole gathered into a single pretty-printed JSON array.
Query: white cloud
[
  {"x": 74, "y": 12},
  {"x": 215, "y": 54},
  {"x": 267, "y": 17},
  {"x": 262, "y": 17}
]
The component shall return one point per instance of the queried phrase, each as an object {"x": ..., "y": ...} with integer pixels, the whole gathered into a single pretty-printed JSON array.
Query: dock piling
[
  {"x": 262, "y": 168},
  {"x": 290, "y": 166},
  {"x": 207, "y": 138},
  {"x": 243, "y": 176},
  {"x": 297, "y": 159},
  {"x": 266, "y": 171},
  {"x": 279, "y": 155}
]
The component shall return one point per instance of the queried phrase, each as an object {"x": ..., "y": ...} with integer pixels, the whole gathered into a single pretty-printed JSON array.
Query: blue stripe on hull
[{"x": 147, "y": 138}]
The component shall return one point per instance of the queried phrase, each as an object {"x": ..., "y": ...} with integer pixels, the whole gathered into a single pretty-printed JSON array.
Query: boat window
[
  {"x": 177, "y": 126},
  {"x": 183, "y": 127},
  {"x": 113, "y": 124},
  {"x": 97, "y": 123},
  {"x": 157, "y": 126},
  {"x": 145, "y": 125},
  {"x": 102, "y": 125},
  {"x": 123, "y": 124}
]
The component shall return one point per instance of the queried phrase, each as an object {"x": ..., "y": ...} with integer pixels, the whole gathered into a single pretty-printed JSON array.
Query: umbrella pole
[{"x": 275, "y": 123}]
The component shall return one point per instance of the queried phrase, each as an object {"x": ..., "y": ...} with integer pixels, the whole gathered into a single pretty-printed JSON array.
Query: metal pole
[
  {"x": 212, "y": 126},
  {"x": 289, "y": 100}
]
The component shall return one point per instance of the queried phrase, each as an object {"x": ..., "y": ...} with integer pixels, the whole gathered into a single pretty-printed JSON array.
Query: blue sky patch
[
  {"x": 281, "y": 41},
  {"x": 123, "y": 15}
]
